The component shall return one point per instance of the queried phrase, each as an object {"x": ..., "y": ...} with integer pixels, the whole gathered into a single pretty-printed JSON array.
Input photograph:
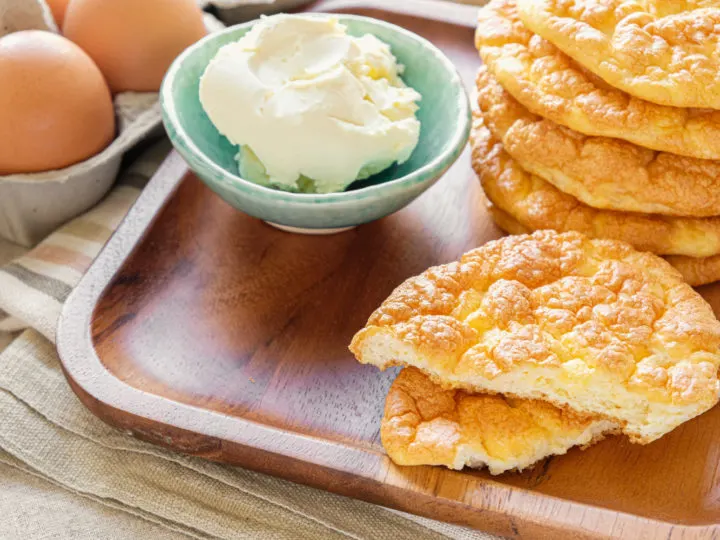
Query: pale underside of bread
[{"x": 384, "y": 350}]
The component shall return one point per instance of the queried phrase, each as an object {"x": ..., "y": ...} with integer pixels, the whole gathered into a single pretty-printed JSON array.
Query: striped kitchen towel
[
  {"x": 45, "y": 431},
  {"x": 34, "y": 287}
]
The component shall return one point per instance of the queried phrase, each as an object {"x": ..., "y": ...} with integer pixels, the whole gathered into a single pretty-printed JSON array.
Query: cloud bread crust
[
  {"x": 425, "y": 424},
  {"x": 537, "y": 204},
  {"x": 695, "y": 271},
  {"x": 551, "y": 84},
  {"x": 591, "y": 325},
  {"x": 667, "y": 52},
  {"x": 505, "y": 221},
  {"x": 600, "y": 171}
]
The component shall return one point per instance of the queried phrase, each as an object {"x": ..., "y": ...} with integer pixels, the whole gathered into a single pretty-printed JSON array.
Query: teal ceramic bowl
[{"x": 444, "y": 115}]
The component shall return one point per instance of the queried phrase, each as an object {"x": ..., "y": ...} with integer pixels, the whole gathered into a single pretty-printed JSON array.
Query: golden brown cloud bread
[
  {"x": 591, "y": 325},
  {"x": 552, "y": 85},
  {"x": 695, "y": 271},
  {"x": 425, "y": 424},
  {"x": 505, "y": 221},
  {"x": 600, "y": 171},
  {"x": 663, "y": 51},
  {"x": 537, "y": 204}
]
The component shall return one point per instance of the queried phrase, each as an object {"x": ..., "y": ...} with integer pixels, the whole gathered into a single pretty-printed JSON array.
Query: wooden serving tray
[{"x": 207, "y": 331}]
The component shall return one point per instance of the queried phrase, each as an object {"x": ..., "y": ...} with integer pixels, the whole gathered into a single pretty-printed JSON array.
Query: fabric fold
[
  {"x": 32, "y": 502},
  {"x": 47, "y": 429},
  {"x": 34, "y": 286}
]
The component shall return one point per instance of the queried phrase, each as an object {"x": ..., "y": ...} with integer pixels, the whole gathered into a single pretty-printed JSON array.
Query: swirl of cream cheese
[{"x": 311, "y": 107}]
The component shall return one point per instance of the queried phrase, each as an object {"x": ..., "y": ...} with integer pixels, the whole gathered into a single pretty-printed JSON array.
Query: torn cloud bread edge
[
  {"x": 424, "y": 324},
  {"x": 425, "y": 424}
]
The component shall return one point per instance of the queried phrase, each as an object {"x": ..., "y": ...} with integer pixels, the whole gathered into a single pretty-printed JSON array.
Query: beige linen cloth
[{"x": 66, "y": 474}]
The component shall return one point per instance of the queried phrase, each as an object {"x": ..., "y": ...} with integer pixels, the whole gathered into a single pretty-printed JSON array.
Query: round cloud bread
[
  {"x": 601, "y": 172},
  {"x": 695, "y": 271},
  {"x": 591, "y": 325},
  {"x": 661, "y": 51},
  {"x": 537, "y": 204},
  {"x": 425, "y": 424},
  {"x": 551, "y": 84}
]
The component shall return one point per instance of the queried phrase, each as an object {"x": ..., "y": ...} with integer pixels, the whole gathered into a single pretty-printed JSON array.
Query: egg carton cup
[
  {"x": 34, "y": 205},
  {"x": 16, "y": 15}
]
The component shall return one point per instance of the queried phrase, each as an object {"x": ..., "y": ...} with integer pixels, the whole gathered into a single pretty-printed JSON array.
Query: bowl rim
[{"x": 430, "y": 171}]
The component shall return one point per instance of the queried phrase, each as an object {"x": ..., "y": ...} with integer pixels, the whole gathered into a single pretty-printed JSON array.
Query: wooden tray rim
[
  {"x": 90, "y": 378},
  {"x": 504, "y": 507}
]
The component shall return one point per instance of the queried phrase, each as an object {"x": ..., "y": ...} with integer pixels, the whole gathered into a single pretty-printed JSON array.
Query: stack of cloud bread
[
  {"x": 603, "y": 117},
  {"x": 532, "y": 344}
]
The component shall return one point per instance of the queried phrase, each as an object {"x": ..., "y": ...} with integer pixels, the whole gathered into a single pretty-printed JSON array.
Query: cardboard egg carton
[{"x": 34, "y": 205}]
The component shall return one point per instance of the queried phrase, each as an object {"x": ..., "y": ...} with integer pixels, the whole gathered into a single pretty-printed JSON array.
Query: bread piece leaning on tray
[
  {"x": 607, "y": 338},
  {"x": 574, "y": 329}
]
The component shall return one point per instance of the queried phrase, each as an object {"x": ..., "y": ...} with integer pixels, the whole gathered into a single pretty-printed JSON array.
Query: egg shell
[
  {"x": 36, "y": 204},
  {"x": 58, "y": 8},
  {"x": 133, "y": 41},
  {"x": 55, "y": 106}
]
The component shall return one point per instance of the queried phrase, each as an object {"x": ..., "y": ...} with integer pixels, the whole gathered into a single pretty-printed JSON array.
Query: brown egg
[
  {"x": 58, "y": 8},
  {"x": 55, "y": 107},
  {"x": 133, "y": 41}
]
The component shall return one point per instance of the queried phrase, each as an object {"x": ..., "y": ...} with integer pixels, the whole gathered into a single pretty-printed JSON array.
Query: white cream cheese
[{"x": 305, "y": 100}]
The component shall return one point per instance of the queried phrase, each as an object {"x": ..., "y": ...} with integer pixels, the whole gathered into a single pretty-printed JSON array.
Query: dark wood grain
[{"x": 205, "y": 330}]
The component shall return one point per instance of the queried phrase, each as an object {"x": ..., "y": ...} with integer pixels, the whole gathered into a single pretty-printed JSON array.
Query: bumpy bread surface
[
  {"x": 537, "y": 204},
  {"x": 696, "y": 271},
  {"x": 663, "y": 51},
  {"x": 592, "y": 325},
  {"x": 425, "y": 424},
  {"x": 600, "y": 171},
  {"x": 551, "y": 84},
  {"x": 505, "y": 221}
]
